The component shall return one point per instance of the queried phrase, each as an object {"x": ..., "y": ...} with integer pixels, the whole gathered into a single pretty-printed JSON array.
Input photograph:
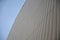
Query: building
[{"x": 38, "y": 20}]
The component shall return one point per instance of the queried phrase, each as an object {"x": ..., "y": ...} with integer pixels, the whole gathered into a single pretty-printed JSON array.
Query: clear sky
[{"x": 9, "y": 9}]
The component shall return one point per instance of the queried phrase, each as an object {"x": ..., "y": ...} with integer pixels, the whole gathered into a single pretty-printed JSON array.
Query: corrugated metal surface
[{"x": 38, "y": 20}]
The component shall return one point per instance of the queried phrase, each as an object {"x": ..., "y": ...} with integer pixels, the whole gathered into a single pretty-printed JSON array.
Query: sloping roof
[{"x": 38, "y": 20}]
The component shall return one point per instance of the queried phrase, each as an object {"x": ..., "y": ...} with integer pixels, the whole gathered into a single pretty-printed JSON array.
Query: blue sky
[{"x": 9, "y": 9}]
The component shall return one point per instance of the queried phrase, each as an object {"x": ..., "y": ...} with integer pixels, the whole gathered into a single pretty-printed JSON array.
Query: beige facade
[{"x": 38, "y": 20}]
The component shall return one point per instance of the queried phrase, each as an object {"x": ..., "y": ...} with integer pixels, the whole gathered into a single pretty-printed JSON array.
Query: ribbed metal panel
[{"x": 38, "y": 20}]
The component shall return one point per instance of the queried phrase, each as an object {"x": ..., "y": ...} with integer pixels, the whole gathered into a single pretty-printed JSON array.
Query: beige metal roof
[{"x": 38, "y": 20}]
